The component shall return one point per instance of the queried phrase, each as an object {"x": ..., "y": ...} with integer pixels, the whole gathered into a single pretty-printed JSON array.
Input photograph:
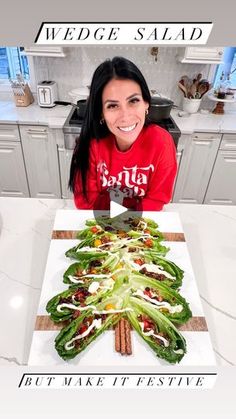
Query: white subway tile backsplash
[{"x": 77, "y": 67}]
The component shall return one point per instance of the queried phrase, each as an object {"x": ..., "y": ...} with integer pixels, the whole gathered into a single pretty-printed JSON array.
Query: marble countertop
[
  {"x": 53, "y": 117},
  {"x": 24, "y": 243},
  {"x": 210, "y": 122}
]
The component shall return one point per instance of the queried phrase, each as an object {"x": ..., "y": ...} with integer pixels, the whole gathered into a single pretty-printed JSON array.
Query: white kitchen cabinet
[
  {"x": 221, "y": 188},
  {"x": 13, "y": 180},
  {"x": 65, "y": 157},
  {"x": 183, "y": 140},
  {"x": 41, "y": 160},
  {"x": 196, "y": 167},
  {"x": 199, "y": 55},
  {"x": 46, "y": 51}
]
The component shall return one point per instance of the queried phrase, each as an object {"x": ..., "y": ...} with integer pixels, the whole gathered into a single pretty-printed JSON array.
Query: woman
[{"x": 119, "y": 153}]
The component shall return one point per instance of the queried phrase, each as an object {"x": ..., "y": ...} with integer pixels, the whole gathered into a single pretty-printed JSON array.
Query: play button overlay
[
  {"x": 116, "y": 209},
  {"x": 117, "y": 213}
]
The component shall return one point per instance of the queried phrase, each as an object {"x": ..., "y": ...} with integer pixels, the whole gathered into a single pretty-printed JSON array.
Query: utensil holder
[
  {"x": 191, "y": 105},
  {"x": 25, "y": 98}
]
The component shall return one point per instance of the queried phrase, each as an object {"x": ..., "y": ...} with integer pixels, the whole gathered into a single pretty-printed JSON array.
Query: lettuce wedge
[
  {"x": 157, "y": 331},
  {"x": 168, "y": 301}
]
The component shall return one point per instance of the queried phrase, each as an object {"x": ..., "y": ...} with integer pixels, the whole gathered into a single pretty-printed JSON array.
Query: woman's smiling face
[{"x": 124, "y": 110}]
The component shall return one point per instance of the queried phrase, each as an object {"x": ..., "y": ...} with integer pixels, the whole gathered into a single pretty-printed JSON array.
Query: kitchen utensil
[
  {"x": 193, "y": 89},
  {"x": 187, "y": 83},
  {"x": 197, "y": 80},
  {"x": 160, "y": 108},
  {"x": 80, "y": 106},
  {"x": 203, "y": 87},
  {"x": 183, "y": 88}
]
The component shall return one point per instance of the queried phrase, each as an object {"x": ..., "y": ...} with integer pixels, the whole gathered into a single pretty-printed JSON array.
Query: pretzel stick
[
  {"x": 117, "y": 337},
  {"x": 122, "y": 337},
  {"x": 128, "y": 338}
]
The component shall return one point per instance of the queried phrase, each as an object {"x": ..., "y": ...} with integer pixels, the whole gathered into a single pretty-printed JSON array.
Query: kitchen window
[
  {"x": 12, "y": 62},
  {"x": 228, "y": 67}
]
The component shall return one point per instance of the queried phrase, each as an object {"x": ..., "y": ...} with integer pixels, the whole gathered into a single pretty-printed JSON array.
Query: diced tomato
[
  {"x": 139, "y": 261},
  {"x": 79, "y": 295},
  {"x": 147, "y": 292},
  {"x": 82, "y": 329},
  {"x": 146, "y": 325},
  {"x": 147, "y": 231},
  {"x": 94, "y": 229},
  {"x": 148, "y": 243}
]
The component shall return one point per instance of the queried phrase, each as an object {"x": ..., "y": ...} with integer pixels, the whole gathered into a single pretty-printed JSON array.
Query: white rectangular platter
[{"x": 102, "y": 352}]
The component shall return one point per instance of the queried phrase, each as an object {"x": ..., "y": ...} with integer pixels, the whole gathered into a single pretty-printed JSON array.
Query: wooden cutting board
[
  {"x": 195, "y": 324},
  {"x": 45, "y": 323}
]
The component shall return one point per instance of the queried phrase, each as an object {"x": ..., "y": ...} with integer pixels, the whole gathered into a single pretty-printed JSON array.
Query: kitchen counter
[
  {"x": 210, "y": 234},
  {"x": 210, "y": 122},
  {"x": 53, "y": 117}
]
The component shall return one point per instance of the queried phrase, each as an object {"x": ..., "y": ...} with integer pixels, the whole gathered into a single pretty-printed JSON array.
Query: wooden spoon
[
  {"x": 193, "y": 89},
  {"x": 183, "y": 88},
  {"x": 202, "y": 89}
]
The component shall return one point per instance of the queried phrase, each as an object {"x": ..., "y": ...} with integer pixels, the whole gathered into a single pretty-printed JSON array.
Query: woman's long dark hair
[{"x": 117, "y": 68}]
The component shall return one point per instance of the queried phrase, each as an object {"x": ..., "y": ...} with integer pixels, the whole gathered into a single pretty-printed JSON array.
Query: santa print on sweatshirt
[{"x": 142, "y": 177}]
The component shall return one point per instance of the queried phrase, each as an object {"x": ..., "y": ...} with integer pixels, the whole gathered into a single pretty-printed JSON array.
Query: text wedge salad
[
  {"x": 76, "y": 337},
  {"x": 157, "y": 331}
]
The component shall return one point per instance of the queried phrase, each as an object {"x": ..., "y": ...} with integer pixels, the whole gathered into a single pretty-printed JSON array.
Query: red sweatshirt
[{"x": 144, "y": 174}]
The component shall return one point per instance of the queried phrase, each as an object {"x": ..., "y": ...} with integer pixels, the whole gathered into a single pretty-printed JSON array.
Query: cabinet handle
[
  {"x": 205, "y": 137},
  {"x": 37, "y": 130},
  {"x": 220, "y": 52},
  {"x": 202, "y": 142}
]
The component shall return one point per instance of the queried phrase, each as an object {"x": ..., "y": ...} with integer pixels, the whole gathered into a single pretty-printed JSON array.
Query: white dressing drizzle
[
  {"x": 75, "y": 280},
  {"x": 95, "y": 285},
  {"x": 73, "y": 307},
  {"x": 97, "y": 323},
  {"x": 141, "y": 222},
  {"x": 103, "y": 275},
  {"x": 88, "y": 249},
  {"x": 151, "y": 333},
  {"x": 157, "y": 269},
  {"x": 96, "y": 276},
  {"x": 123, "y": 310},
  {"x": 179, "y": 351},
  {"x": 162, "y": 304}
]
